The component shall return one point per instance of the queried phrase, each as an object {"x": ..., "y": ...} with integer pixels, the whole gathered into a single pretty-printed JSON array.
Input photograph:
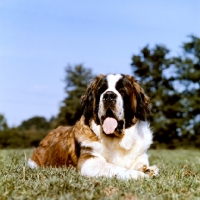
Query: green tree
[
  {"x": 3, "y": 123},
  {"x": 173, "y": 86},
  {"x": 31, "y": 131},
  {"x": 35, "y": 123},
  {"x": 188, "y": 73},
  {"x": 151, "y": 68},
  {"x": 77, "y": 79}
]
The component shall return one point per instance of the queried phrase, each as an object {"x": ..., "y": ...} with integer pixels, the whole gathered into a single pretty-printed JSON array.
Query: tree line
[{"x": 171, "y": 82}]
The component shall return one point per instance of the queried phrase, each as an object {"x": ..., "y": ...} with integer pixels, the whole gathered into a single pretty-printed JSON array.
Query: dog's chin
[{"x": 116, "y": 133}]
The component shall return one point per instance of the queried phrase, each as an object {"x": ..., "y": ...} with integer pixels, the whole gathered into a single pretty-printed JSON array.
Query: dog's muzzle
[{"x": 109, "y": 99}]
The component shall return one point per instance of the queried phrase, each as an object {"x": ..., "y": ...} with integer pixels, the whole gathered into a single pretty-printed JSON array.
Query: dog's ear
[
  {"x": 143, "y": 103},
  {"x": 88, "y": 100},
  {"x": 140, "y": 101},
  {"x": 87, "y": 104}
]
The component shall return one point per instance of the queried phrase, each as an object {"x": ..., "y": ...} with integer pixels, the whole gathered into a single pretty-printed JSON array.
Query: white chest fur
[{"x": 129, "y": 150}]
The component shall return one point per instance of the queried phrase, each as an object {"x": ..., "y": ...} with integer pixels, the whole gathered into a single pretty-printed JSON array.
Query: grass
[{"x": 179, "y": 179}]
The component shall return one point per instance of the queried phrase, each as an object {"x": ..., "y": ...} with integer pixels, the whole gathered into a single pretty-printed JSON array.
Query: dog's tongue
[{"x": 109, "y": 125}]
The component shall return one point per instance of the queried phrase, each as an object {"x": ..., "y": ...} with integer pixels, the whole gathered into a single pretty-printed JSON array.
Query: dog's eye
[
  {"x": 122, "y": 92},
  {"x": 102, "y": 89}
]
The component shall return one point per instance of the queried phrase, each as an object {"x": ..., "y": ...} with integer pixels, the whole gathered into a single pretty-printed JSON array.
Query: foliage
[
  {"x": 76, "y": 80},
  {"x": 188, "y": 73},
  {"x": 28, "y": 134},
  {"x": 178, "y": 179},
  {"x": 3, "y": 123},
  {"x": 173, "y": 84},
  {"x": 37, "y": 123},
  {"x": 16, "y": 138}
]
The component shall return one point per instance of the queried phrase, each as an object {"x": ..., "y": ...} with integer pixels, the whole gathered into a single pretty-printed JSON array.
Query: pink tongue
[{"x": 109, "y": 125}]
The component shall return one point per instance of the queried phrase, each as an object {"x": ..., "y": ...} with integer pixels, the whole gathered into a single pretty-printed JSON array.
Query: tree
[
  {"x": 151, "y": 67},
  {"x": 188, "y": 73},
  {"x": 77, "y": 79},
  {"x": 35, "y": 123},
  {"x": 173, "y": 86},
  {"x": 3, "y": 123}
]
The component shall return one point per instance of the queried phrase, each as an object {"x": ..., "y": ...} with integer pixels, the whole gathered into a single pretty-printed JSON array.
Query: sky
[{"x": 40, "y": 38}]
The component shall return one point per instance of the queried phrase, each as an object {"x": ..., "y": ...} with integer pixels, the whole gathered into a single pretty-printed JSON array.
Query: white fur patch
[
  {"x": 32, "y": 164},
  {"x": 99, "y": 167},
  {"x": 112, "y": 80},
  {"x": 138, "y": 137},
  {"x": 96, "y": 128},
  {"x": 93, "y": 145}
]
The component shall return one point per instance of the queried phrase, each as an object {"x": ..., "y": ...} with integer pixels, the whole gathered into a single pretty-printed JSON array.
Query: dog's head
[{"x": 115, "y": 102}]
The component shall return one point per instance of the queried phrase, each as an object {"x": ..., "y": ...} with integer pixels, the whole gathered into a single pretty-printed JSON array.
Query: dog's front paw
[
  {"x": 134, "y": 174},
  {"x": 151, "y": 171},
  {"x": 142, "y": 174}
]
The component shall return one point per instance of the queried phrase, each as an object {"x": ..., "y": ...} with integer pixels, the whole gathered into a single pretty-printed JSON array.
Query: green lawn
[{"x": 179, "y": 178}]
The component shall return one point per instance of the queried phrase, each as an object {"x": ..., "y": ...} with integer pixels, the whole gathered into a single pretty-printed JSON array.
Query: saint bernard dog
[{"x": 110, "y": 139}]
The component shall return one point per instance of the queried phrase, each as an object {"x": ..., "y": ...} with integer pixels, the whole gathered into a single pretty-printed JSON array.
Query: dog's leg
[{"x": 97, "y": 166}]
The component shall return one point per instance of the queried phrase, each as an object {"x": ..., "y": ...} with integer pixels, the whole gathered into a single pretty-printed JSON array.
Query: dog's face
[{"x": 115, "y": 102}]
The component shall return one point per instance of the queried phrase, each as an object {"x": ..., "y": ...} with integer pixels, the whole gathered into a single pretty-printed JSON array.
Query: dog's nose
[{"x": 109, "y": 96}]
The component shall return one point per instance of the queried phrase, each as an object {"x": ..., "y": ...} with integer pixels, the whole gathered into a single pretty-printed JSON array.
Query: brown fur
[
  {"x": 140, "y": 101},
  {"x": 61, "y": 147}
]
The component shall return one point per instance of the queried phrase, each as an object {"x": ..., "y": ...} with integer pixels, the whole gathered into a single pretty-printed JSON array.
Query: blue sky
[{"x": 39, "y": 38}]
